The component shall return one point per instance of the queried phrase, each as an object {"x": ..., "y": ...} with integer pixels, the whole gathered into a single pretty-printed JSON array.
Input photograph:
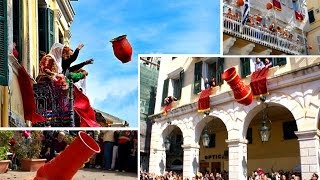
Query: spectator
[
  {"x": 259, "y": 64},
  {"x": 314, "y": 176},
  {"x": 108, "y": 141},
  {"x": 267, "y": 63}
]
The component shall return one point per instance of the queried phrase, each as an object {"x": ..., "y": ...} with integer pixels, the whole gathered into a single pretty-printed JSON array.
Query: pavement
[{"x": 85, "y": 173}]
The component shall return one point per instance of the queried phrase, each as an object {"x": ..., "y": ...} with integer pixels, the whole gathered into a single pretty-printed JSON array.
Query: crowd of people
[
  {"x": 122, "y": 155},
  {"x": 268, "y": 31}
]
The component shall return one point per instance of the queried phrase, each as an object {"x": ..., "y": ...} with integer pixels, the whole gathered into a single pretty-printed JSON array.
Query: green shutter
[
  {"x": 245, "y": 67},
  {"x": 46, "y": 29},
  {"x": 197, "y": 77},
  {"x": 279, "y": 61},
  {"x": 220, "y": 71},
  {"x": 180, "y": 85},
  {"x": 3, "y": 44},
  {"x": 42, "y": 24},
  {"x": 165, "y": 90},
  {"x": 50, "y": 28}
]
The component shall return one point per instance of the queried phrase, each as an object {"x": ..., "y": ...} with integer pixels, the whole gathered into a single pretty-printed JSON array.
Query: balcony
[{"x": 262, "y": 36}]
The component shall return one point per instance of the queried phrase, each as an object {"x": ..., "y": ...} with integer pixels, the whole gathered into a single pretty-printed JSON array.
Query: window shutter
[
  {"x": 197, "y": 77},
  {"x": 245, "y": 67},
  {"x": 3, "y": 44},
  {"x": 46, "y": 29},
  {"x": 279, "y": 61},
  {"x": 180, "y": 85},
  {"x": 165, "y": 90},
  {"x": 50, "y": 28},
  {"x": 220, "y": 71}
]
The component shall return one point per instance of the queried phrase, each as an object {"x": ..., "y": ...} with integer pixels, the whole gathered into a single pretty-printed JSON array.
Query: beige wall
[
  {"x": 187, "y": 97},
  {"x": 314, "y": 29}
]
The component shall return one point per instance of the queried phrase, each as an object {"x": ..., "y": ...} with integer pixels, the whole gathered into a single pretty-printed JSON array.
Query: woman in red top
[{"x": 124, "y": 149}]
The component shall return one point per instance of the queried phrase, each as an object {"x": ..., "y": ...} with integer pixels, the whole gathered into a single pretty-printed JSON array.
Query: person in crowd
[
  {"x": 108, "y": 141},
  {"x": 58, "y": 145},
  {"x": 259, "y": 64},
  {"x": 124, "y": 149},
  {"x": 314, "y": 176},
  {"x": 114, "y": 164},
  {"x": 99, "y": 156}
]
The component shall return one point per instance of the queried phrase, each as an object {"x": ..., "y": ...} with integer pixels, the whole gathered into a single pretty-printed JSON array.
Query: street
[{"x": 90, "y": 174}]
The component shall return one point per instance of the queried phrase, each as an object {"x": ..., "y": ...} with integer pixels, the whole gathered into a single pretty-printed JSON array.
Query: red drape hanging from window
[
  {"x": 204, "y": 100},
  {"x": 259, "y": 82}
]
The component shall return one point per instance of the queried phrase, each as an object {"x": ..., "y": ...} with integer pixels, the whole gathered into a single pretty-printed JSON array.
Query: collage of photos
[{"x": 160, "y": 90}]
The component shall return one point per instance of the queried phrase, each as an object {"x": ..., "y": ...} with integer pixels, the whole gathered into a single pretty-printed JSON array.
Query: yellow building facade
[
  {"x": 313, "y": 35},
  {"x": 34, "y": 26},
  {"x": 292, "y": 107}
]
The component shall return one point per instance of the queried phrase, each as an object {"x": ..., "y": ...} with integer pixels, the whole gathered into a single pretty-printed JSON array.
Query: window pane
[{"x": 311, "y": 16}]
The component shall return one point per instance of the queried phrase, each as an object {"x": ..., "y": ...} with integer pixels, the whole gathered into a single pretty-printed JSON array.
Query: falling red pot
[
  {"x": 122, "y": 48},
  {"x": 69, "y": 161},
  {"x": 269, "y": 5},
  {"x": 242, "y": 93}
]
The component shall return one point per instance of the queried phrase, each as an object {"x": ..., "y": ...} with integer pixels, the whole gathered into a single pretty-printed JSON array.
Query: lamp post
[
  {"x": 205, "y": 138},
  {"x": 265, "y": 129}
]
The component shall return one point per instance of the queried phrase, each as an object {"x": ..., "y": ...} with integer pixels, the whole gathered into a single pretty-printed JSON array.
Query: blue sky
[{"x": 152, "y": 27}]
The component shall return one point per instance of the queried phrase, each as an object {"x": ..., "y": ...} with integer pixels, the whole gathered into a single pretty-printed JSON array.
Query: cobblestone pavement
[{"x": 87, "y": 174}]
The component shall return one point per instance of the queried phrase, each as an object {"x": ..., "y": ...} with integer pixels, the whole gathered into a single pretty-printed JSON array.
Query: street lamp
[
  {"x": 205, "y": 138},
  {"x": 265, "y": 129},
  {"x": 167, "y": 144}
]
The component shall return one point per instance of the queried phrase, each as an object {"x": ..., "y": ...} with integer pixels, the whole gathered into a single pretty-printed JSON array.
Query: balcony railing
[
  {"x": 53, "y": 104},
  {"x": 261, "y": 36}
]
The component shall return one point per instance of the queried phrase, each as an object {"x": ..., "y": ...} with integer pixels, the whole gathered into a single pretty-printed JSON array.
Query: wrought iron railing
[
  {"x": 55, "y": 104},
  {"x": 261, "y": 36}
]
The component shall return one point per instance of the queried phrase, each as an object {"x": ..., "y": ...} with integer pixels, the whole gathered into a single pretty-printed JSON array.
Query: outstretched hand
[
  {"x": 90, "y": 61},
  {"x": 80, "y": 46}
]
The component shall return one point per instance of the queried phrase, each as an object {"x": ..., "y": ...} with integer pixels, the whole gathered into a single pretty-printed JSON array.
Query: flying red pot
[{"x": 122, "y": 48}]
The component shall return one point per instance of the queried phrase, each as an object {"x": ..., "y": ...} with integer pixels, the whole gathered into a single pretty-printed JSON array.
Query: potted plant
[
  {"x": 5, "y": 137},
  {"x": 28, "y": 148}
]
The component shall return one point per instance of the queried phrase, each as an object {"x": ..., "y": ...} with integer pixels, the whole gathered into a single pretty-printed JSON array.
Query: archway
[
  {"x": 214, "y": 157},
  {"x": 281, "y": 151},
  {"x": 174, "y": 153}
]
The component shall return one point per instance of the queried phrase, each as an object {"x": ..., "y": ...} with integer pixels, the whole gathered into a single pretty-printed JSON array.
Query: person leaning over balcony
[
  {"x": 258, "y": 64},
  {"x": 267, "y": 63},
  {"x": 168, "y": 100},
  {"x": 69, "y": 57},
  {"x": 50, "y": 67}
]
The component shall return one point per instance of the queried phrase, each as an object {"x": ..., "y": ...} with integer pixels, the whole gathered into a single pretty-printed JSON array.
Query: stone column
[
  {"x": 237, "y": 159},
  {"x": 309, "y": 152},
  {"x": 190, "y": 160},
  {"x": 157, "y": 162}
]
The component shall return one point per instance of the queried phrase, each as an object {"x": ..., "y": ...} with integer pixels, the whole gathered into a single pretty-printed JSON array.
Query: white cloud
[{"x": 99, "y": 90}]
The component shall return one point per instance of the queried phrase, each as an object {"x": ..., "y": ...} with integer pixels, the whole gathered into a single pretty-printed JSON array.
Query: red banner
[
  {"x": 277, "y": 4},
  {"x": 299, "y": 16},
  {"x": 204, "y": 100},
  {"x": 259, "y": 82},
  {"x": 83, "y": 108},
  {"x": 27, "y": 94}
]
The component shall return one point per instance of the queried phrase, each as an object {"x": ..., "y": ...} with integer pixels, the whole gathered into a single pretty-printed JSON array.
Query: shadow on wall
[
  {"x": 161, "y": 165},
  {"x": 244, "y": 166},
  {"x": 195, "y": 165}
]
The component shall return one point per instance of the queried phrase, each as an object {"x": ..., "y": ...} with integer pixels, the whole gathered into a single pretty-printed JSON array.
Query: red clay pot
[
  {"x": 242, "y": 93},
  {"x": 240, "y": 3},
  {"x": 122, "y": 48},
  {"x": 32, "y": 165},
  {"x": 65, "y": 165},
  {"x": 269, "y": 5},
  {"x": 4, "y": 165}
]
